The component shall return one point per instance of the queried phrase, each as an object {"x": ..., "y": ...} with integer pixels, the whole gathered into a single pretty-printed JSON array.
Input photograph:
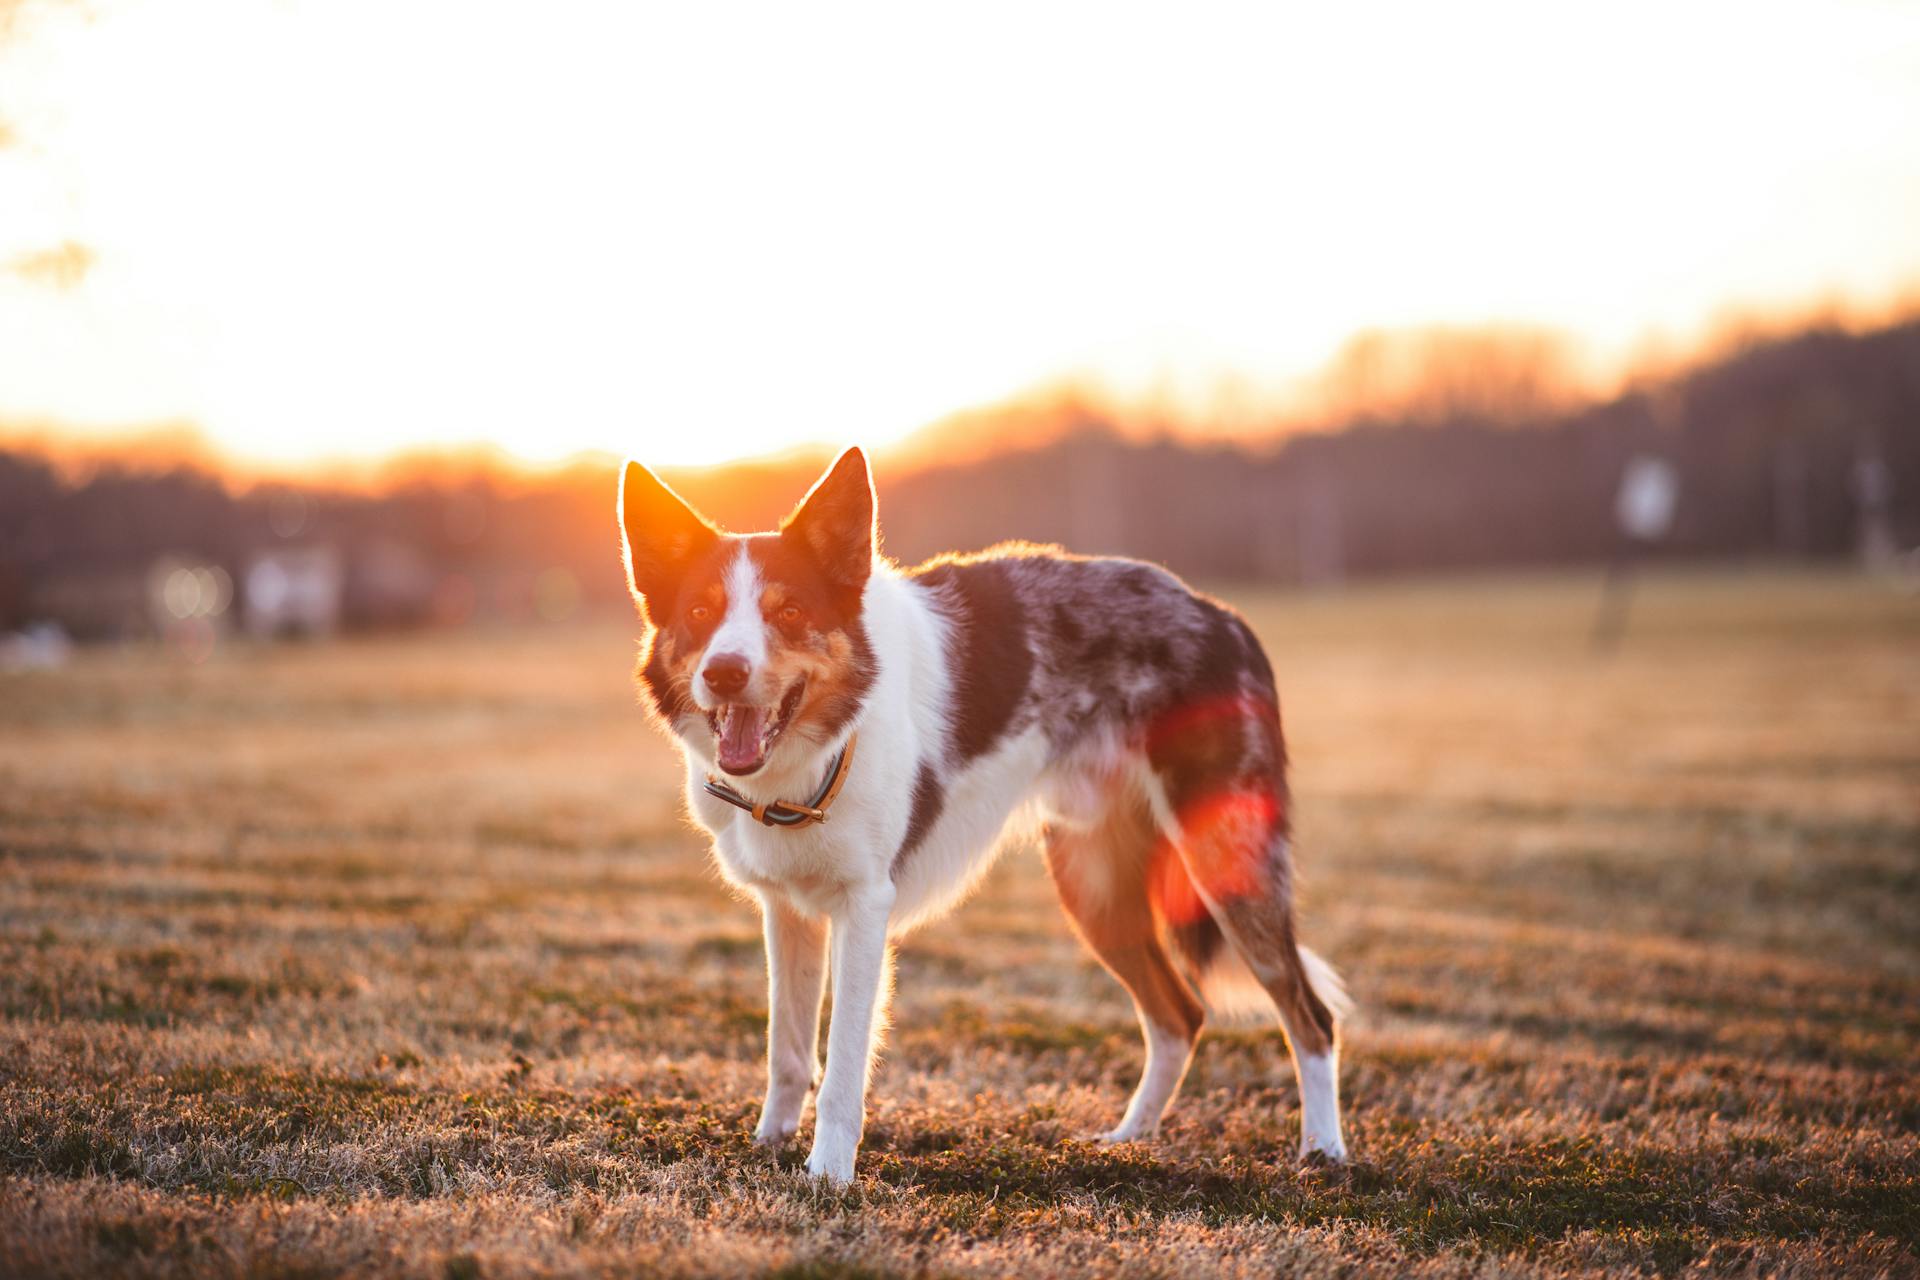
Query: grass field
[{"x": 392, "y": 957}]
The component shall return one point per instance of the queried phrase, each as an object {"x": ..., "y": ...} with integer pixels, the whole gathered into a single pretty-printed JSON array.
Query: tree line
[{"x": 1780, "y": 450}]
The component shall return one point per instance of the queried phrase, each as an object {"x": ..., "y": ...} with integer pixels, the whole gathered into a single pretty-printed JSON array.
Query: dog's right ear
[{"x": 660, "y": 535}]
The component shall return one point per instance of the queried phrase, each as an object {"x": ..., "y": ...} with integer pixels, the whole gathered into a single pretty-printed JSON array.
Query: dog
[{"x": 859, "y": 737}]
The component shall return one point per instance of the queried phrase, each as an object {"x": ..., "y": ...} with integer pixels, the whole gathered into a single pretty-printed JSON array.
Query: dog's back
[{"x": 1084, "y": 647}]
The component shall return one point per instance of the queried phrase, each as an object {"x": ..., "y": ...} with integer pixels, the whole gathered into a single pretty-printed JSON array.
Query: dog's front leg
[
  {"x": 796, "y": 980},
  {"x": 859, "y": 946}
]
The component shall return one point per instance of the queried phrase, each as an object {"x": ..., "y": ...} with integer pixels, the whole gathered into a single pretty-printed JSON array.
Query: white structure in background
[
  {"x": 1644, "y": 506},
  {"x": 294, "y": 591},
  {"x": 1873, "y": 498},
  {"x": 40, "y": 646},
  {"x": 1649, "y": 492}
]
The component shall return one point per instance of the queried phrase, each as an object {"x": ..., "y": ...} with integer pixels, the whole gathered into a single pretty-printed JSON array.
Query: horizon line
[{"x": 176, "y": 442}]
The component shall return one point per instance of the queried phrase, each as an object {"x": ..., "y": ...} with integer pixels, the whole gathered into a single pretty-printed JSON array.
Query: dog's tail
[{"x": 1228, "y": 986}]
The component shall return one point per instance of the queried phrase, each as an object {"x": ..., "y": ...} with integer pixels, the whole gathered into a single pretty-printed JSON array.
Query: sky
[{"x": 696, "y": 232}]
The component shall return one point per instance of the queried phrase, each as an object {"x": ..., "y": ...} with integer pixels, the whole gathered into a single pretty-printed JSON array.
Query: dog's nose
[{"x": 726, "y": 673}]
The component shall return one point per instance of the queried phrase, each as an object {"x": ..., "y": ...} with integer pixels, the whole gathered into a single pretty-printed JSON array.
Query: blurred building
[{"x": 294, "y": 591}]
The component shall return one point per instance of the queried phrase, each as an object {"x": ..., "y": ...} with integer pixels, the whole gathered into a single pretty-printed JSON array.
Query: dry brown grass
[{"x": 392, "y": 958}]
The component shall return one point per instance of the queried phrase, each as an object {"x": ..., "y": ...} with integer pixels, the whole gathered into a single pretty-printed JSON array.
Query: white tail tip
[{"x": 1326, "y": 983}]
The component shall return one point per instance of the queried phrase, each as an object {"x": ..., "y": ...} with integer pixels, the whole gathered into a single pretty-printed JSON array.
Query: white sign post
[
  {"x": 1649, "y": 491},
  {"x": 1644, "y": 507}
]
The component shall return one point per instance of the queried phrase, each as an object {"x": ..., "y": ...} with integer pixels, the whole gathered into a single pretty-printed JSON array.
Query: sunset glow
[{"x": 338, "y": 229}]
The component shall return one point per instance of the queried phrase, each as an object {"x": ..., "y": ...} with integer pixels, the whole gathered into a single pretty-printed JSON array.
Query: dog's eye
[
  {"x": 789, "y": 613},
  {"x": 700, "y": 613}
]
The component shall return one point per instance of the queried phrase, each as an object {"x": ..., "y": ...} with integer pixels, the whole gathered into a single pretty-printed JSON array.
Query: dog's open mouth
[{"x": 744, "y": 733}]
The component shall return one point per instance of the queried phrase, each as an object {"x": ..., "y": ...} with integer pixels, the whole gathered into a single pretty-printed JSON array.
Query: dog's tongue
[{"x": 742, "y": 731}]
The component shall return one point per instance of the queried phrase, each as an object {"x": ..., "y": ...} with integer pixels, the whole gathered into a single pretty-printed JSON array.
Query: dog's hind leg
[
  {"x": 1260, "y": 927},
  {"x": 1101, "y": 873},
  {"x": 1231, "y": 838}
]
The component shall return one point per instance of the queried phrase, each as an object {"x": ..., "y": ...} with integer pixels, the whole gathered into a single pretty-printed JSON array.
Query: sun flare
[{"x": 341, "y": 229}]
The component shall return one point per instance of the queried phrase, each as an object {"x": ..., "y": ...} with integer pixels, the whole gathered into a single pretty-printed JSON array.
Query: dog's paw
[
  {"x": 1113, "y": 1137},
  {"x": 773, "y": 1135},
  {"x": 834, "y": 1166},
  {"x": 779, "y": 1115}
]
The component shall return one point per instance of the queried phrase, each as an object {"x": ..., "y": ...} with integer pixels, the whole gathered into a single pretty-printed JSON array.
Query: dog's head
[{"x": 757, "y": 641}]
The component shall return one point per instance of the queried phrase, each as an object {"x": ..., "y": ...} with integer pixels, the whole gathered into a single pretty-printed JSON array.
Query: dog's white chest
[{"x": 803, "y": 864}]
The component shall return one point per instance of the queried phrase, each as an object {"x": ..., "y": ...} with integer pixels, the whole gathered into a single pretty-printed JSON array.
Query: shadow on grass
[
  {"x": 270, "y": 1132},
  {"x": 1428, "y": 1194}
]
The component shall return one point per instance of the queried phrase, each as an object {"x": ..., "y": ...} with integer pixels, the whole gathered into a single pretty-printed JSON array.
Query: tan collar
[{"x": 788, "y": 813}]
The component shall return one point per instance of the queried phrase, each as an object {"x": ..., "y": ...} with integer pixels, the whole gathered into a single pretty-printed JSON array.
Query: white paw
[
  {"x": 1125, "y": 1133},
  {"x": 767, "y": 1134},
  {"x": 780, "y": 1113},
  {"x": 835, "y": 1166}
]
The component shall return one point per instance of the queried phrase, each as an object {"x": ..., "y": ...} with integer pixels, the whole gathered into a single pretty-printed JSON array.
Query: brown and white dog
[{"x": 1135, "y": 717}]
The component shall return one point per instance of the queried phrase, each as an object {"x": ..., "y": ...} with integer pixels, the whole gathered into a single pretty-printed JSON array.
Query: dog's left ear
[
  {"x": 835, "y": 522},
  {"x": 660, "y": 535}
]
